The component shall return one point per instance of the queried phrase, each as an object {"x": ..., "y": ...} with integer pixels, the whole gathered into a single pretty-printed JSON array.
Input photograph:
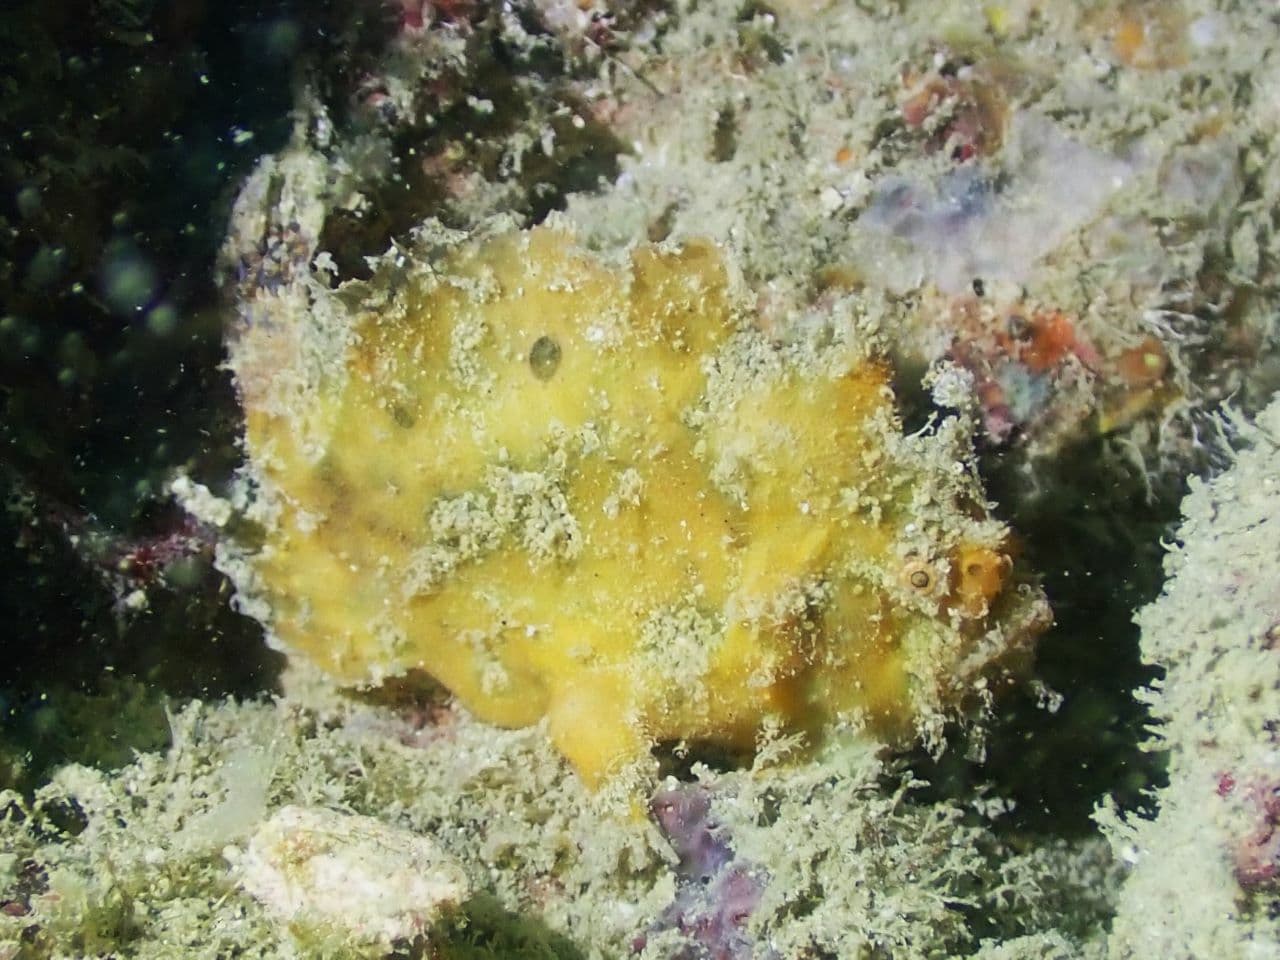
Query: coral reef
[
  {"x": 1042, "y": 153},
  {"x": 139, "y": 861},
  {"x": 1204, "y": 871},
  {"x": 1008, "y": 250}
]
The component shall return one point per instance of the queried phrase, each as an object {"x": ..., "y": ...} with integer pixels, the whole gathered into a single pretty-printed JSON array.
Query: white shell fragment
[{"x": 349, "y": 874}]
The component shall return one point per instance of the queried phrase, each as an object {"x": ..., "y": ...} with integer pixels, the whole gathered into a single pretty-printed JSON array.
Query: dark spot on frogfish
[{"x": 544, "y": 357}]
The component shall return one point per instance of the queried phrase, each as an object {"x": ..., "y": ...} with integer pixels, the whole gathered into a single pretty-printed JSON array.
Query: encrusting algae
[{"x": 603, "y": 497}]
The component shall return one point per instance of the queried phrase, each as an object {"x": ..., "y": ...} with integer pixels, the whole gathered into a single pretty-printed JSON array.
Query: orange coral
[
  {"x": 1143, "y": 365},
  {"x": 1150, "y": 36},
  {"x": 1053, "y": 337}
]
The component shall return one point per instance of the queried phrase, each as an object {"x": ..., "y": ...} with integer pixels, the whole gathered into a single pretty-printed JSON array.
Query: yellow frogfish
[{"x": 597, "y": 494}]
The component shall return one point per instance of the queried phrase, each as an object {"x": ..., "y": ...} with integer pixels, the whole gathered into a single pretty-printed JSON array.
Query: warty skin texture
[{"x": 601, "y": 496}]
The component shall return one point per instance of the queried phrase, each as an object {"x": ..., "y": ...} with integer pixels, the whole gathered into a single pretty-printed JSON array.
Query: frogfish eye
[{"x": 920, "y": 576}]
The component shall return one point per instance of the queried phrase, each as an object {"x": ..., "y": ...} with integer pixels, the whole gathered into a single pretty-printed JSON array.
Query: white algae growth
[{"x": 1204, "y": 869}]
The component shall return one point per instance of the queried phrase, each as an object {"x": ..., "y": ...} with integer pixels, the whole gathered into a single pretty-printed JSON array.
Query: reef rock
[
  {"x": 599, "y": 494},
  {"x": 1204, "y": 871},
  {"x": 335, "y": 874}
]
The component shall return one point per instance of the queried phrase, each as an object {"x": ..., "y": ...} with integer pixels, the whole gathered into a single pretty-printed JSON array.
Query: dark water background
[{"x": 125, "y": 126}]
